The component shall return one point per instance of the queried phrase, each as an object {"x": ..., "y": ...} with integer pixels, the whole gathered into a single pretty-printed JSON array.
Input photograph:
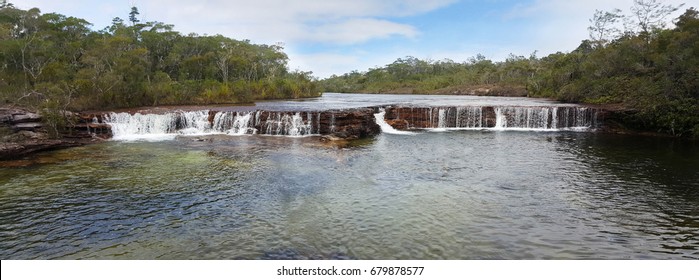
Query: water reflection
[
  {"x": 642, "y": 185},
  {"x": 449, "y": 195}
]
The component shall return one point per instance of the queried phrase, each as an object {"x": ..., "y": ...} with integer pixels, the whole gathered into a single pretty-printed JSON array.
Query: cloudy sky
[{"x": 338, "y": 36}]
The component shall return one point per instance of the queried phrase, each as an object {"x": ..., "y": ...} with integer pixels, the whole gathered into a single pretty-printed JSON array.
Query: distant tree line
[
  {"x": 413, "y": 75},
  {"x": 57, "y": 61},
  {"x": 632, "y": 61}
]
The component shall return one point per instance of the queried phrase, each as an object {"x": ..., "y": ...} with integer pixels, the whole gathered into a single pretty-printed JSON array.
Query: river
[{"x": 430, "y": 194}]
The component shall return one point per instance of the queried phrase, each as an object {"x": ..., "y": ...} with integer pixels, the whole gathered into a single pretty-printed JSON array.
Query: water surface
[{"x": 448, "y": 195}]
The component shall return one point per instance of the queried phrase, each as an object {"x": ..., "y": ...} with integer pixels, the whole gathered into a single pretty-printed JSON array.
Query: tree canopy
[
  {"x": 632, "y": 61},
  {"x": 49, "y": 58}
]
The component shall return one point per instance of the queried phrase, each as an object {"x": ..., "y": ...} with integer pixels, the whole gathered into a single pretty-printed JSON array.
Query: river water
[{"x": 467, "y": 194}]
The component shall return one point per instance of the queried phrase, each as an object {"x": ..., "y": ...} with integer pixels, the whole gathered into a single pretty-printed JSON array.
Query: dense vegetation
[
  {"x": 649, "y": 70},
  {"x": 413, "y": 75},
  {"x": 56, "y": 61}
]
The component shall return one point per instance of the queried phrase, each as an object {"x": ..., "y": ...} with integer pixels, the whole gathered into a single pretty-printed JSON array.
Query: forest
[
  {"x": 53, "y": 61},
  {"x": 631, "y": 62}
]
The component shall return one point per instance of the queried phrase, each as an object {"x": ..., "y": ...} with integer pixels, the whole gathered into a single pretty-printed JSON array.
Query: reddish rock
[
  {"x": 25, "y": 134},
  {"x": 399, "y": 124},
  {"x": 351, "y": 123}
]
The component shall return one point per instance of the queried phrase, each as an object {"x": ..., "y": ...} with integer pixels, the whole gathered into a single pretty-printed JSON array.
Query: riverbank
[
  {"x": 24, "y": 132},
  {"x": 473, "y": 90}
]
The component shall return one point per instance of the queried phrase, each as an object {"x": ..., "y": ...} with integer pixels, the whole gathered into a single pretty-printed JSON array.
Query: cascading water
[
  {"x": 138, "y": 126},
  {"x": 332, "y": 122},
  {"x": 545, "y": 118},
  {"x": 531, "y": 118},
  {"x": 193, "y": 123},
  {"x": 235, "y": 123},
  {"x": 141, "y": 126},
  {"x": 441, "y": 121},
  {"x": 126, "y": 126},
  {"x": 287, "y": 124},
  {"x": 385, "y": 127}
]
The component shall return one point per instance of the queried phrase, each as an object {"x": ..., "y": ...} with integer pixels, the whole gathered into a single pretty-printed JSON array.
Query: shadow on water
[{"x": 647, "y": 185}]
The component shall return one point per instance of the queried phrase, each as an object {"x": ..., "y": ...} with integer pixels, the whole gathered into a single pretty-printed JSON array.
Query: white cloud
[
  {"x": 358, "y": 30},
  {"x": 560, "y": 25},
  {"x": 326, "y": 64},
  {"x": 328, "y": 27},
  {"x": 325, "y": 21},
  {"x": 265, "y": 21}
]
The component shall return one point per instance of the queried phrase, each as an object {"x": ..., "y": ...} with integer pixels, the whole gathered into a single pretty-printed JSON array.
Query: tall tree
[
  {"x": 650, "y": 15},
  {"x": 6, "y": 4},
  {"x": 603, "y": 26},
  {"x": 132, "y": 16}
]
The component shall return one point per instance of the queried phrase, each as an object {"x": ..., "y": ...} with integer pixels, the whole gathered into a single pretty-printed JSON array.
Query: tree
[
  {"x": 132, "y": 16},
  {"x": 649, "y": 15},
  {"x": 5, "y": 4},
  {"x": 55, "y": 59},
  {"x": 603, "y": 26}
]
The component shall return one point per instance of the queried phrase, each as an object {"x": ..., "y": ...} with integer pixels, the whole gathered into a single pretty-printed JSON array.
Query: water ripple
[{"x": 457, "y": 195}]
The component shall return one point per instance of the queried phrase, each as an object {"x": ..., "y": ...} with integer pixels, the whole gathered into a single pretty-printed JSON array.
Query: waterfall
[
  {"x": 545, "y": 118},
  {"x": 193, "y": 123},
  {"x": 127, "y": 126},
  {"x": 288, "y": 124},
  {"x": 531, "y": 118},
  {"x": 526, "y": 118},
  {"x": 441, "y": 120},
  {"x": 385, "y": 127},
  {"x": 332, "y": 122},
  {"x": 235, "y": 123},
  {"x": 139, "y": 126},
  {"x": 469, "y": 117}
]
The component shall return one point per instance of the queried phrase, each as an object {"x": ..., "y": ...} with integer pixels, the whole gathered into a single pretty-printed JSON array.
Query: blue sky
[{"x": 338, "y": 36}]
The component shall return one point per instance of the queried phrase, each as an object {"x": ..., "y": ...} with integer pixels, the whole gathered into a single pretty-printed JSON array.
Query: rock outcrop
[
  {"x": 336, "y": 124},
  {"x": 522, "y": 117},
  {"x": 349, "y": 124},
  {"x": 22, "y": 132}
]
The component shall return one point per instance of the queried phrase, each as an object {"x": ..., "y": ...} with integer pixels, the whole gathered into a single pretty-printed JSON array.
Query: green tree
[
  {"x": 603, "y": 26},
  {"x": 132, "y": 16}
]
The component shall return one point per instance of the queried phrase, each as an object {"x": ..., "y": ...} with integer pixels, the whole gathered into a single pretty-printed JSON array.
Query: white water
[
  {"x": 235, "y": 123},
  {"x": 289, "y": 125},
  {"x": 153, "y": 127},
  {"x": 157, "y": 127},
  {"x": 512, "y": 118},
  {"x": 545, "y": 118},
  {"x": 387, "y": 128}
]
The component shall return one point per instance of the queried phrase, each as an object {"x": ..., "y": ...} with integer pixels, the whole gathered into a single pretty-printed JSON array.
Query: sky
[{"x": 333, "y": 37}]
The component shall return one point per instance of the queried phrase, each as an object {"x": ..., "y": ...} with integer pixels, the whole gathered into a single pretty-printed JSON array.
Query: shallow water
[
  {"x": 432, "y": 195},
  {"x": 339, "y": 101}
]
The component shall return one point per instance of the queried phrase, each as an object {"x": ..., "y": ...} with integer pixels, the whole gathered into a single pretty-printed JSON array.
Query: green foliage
[
  {"x": 650, "y": 71},
  {"x": 49, "y": 59},
  {"x": 413, "y": 75},
  {"x": 654, "y": 73}
]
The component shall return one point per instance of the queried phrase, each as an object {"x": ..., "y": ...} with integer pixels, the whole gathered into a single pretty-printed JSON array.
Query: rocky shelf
[{"x": 23, "y": 132}]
